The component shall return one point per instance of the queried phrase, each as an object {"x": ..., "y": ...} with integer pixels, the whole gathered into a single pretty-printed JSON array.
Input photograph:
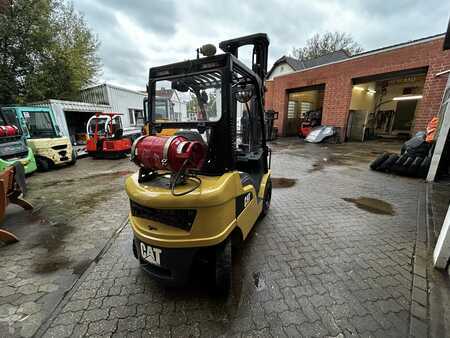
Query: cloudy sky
[{"x": 138, "y": 34}]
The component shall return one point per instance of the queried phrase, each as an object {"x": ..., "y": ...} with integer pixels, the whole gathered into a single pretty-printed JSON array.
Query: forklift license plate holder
[{"x": 150, "y": 254}]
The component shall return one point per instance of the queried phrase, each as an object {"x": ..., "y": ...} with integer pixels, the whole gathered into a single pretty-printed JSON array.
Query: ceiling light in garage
[
  {"x": 359, "y": 88},
  {"x": 407, "y": 97}
]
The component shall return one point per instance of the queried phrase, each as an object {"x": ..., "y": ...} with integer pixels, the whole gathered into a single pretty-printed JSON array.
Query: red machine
[
  {"x": 304, "y": 129},
  {"x": 172, "y": 153},
  {"x": 106, "y": 136},
  {"x": 310, "y": 120}
]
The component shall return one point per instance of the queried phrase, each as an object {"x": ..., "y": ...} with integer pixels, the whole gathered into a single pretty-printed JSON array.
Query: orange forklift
[{"x": 105, "y": 136}]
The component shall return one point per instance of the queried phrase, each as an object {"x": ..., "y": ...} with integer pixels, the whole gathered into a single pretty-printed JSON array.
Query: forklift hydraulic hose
[{"x": 181, "y": 177}]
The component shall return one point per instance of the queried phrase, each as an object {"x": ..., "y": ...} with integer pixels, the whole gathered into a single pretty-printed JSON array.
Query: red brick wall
[
  {"x": 338, "y": 82},
  {"x": 269, "y": 94}
]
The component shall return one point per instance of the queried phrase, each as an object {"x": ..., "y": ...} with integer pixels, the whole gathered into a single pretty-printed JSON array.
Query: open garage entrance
[
  {"x": 385, "y": 105},
  {"x": 300, "y": 102},
  {"x": 76, "y": 123}
]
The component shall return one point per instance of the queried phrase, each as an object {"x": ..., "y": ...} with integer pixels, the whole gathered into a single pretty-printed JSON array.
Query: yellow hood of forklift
[
  {"x": 213, "y": 191},
  {"x": 44, "y": 143}
]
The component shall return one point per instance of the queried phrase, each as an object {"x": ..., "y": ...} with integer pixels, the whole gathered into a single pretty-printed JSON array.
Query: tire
[
  {"x": 401, "y": 159},
  {"x": 404, "y": 167},
  {"x": 414, "y": 167},
  {"x": 267, "y": 198},
  {"x": 43, "y": 164},
  {"x": 424, "y": 166},
  {"x": 74, "y": 157},
  {"x": 403, "y": 149},
  {"x": 223, "y": 268},
  {"x": 387, "y": 165},
  {"x": 408, "y": 162},
  {"x": 378, "y": 161},
  {"x": 397, "y": 167},
  {"x": 135, "y": 249}
]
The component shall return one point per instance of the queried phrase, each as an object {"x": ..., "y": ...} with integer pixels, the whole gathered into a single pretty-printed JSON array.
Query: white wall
[
  {"x": 362, "y": 99},
  {"x": 280, "y": 69},
  {"x": 121, "y": 100},
  {"x": 179, "y": 105}
]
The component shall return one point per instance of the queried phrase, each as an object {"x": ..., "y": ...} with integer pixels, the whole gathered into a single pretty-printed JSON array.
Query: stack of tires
[{"x": 414, "y": 159}]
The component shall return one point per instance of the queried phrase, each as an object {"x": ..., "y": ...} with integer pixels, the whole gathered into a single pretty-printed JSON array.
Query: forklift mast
[{"x": 260, "y": 43}]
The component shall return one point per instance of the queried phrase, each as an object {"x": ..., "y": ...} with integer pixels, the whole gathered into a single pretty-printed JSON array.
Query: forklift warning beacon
[{"x": 201, "y": 190}]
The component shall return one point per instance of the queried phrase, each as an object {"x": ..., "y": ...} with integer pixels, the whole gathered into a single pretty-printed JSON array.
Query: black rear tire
[
  {"x": 408, "y": 163},
  {"x": 424, "y": 167},
  {"x": 223, "y": 268},
  {"x": 267, "y": 198},
  {"x": 397, "y": 167},
  {"x": 74, "y": 157},
  {"x": 414, "y": 167},
  {"x": 135, "y": 249},
  {"x": 404, "y": 167},
  {"x": 387, "y": 165},
  {"x": 43, "y": 164},
  {"x": 379, "y": 161},
  {"x": 403, "y": 157},
  {"x": 403, "y": 149}
]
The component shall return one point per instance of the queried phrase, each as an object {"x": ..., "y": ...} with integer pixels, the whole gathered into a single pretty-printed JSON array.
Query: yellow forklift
[{"x": 201, "y": 190}]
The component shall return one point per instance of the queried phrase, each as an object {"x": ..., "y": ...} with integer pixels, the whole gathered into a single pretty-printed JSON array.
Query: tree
[
  {"x": 46, "y": 51},
  {"x": 326, "y": 43}
]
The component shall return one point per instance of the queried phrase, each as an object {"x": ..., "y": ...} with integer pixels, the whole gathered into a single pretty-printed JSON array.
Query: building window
[
  {"x": 131, "y": 116},
  {"x": 304, "y": 108},
  {"x": 136, "y": 117}
]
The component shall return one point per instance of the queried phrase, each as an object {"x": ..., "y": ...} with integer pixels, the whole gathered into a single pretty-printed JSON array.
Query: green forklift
[
  {"x": 13, "y": 144},
  {"x": 43, "y": 135}
]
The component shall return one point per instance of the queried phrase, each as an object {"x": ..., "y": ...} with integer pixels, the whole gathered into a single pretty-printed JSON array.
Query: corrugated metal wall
[
  {"x": 60, "y": 107},
  {"x": 121, "y": 100},
  {"x": 96, "y": 95}
]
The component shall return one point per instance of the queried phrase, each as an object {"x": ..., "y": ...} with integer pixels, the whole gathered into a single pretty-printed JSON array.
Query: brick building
[{"x": 390, "y": 91}]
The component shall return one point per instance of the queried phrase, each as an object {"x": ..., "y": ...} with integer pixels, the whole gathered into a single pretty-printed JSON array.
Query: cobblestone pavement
[
  {"x": 332, "y": 258},
  {"x": 77, "y": 209}
]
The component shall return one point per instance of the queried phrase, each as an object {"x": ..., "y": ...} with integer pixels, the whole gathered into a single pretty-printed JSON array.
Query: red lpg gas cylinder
[
  {"x": 167, "y": 153},
  {"x": 9, "y": 130}
]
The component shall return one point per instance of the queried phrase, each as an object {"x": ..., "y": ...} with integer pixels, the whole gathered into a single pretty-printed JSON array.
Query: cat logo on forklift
[{"x": 151, "y": 255}]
